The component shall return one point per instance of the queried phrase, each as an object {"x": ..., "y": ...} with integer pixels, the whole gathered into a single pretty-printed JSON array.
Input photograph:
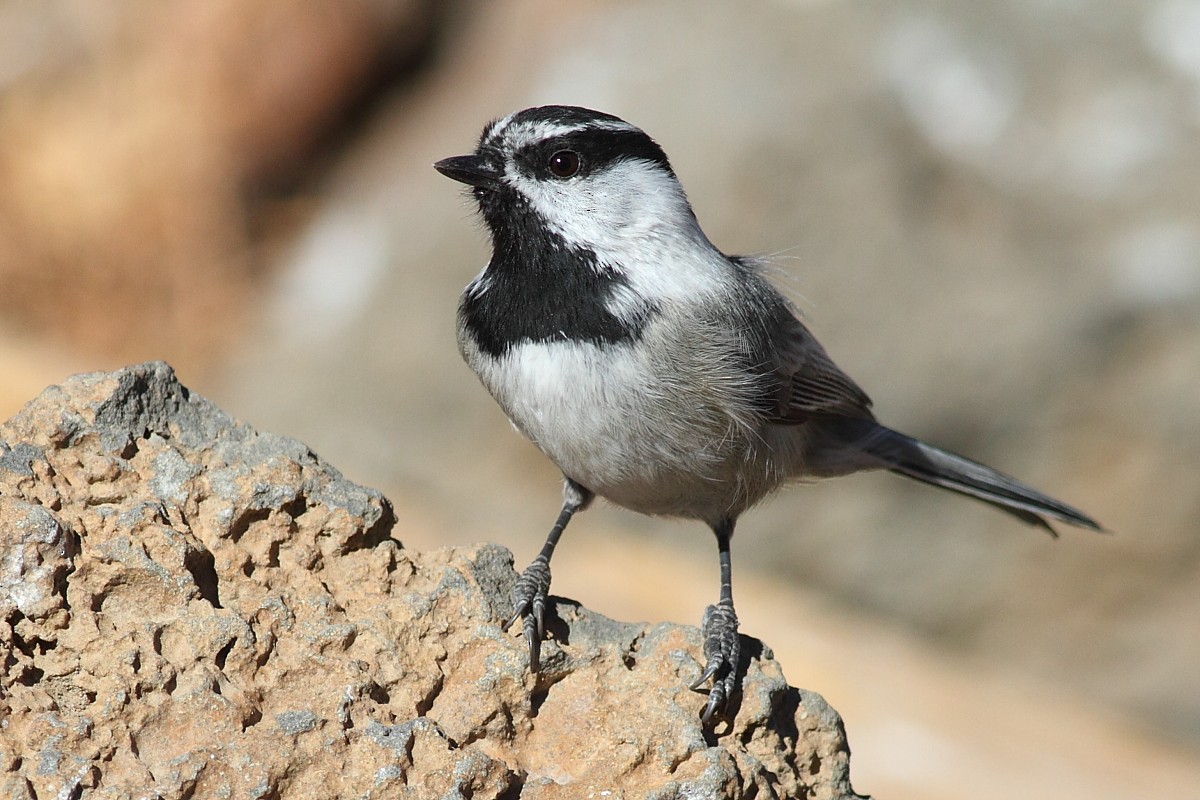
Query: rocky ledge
[{"x": 193, "y": 608}]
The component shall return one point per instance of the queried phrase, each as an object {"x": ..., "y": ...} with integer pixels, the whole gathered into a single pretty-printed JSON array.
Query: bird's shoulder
[{"x": 801, "y": 379}]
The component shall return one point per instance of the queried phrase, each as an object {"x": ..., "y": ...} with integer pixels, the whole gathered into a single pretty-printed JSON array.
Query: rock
[{"x": 193, "y": 608}]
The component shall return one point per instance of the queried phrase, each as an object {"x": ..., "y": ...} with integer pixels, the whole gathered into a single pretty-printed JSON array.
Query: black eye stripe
[
  {"x": 597, "y": 149},
  {"x": 603, "y": 147}
]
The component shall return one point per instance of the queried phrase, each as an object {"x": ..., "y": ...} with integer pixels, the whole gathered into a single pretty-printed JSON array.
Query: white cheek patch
[
  {"x": 635, "y": 218},
  {"x": 630, "y": 200}
]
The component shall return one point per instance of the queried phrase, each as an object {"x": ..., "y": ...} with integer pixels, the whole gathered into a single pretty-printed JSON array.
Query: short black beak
[{"x": 471, "y": 170}]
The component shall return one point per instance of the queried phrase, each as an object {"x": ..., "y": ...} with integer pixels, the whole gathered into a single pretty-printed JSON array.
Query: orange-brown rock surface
[{"x": 193, "y": 608}]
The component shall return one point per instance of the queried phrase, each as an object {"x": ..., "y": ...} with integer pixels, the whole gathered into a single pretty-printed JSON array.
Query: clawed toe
[
  {"x": 709, "y": 671},
  {"x": 529, "y": 600},
  {"x": 722, "y": 649}
]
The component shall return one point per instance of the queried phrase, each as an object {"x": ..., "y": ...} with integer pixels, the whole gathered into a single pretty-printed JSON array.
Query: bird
[{"x": 654, "y": 370}]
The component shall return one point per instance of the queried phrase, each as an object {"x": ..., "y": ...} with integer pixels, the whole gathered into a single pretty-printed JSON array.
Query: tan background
[{"x": 986, "y": 210}]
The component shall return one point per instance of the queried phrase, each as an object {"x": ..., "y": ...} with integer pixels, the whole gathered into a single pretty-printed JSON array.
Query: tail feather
[{"x": 928, "y": 464}]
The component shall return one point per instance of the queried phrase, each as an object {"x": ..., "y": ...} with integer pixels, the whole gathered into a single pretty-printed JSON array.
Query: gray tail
[{"x": 928, "y": 464}]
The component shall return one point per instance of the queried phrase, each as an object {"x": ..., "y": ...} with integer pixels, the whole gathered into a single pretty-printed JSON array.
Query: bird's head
[{"x": 577, "y": 178}]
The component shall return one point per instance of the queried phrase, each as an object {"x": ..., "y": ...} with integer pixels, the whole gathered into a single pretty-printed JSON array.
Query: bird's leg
[
  {"x": 719, "y": 627},
  {"x": 529, "y": 592}
]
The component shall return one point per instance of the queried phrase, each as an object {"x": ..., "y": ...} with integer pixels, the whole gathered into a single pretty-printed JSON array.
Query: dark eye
[{"x": 564, "y": 163}]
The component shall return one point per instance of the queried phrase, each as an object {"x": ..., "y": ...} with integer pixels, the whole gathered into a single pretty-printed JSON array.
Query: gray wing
[
  {"x": 808, "y": 383},
  {"x": 801, "y": 382}
]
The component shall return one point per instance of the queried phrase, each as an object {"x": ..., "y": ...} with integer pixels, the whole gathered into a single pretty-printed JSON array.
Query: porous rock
[{"x": 193, "y": 608}]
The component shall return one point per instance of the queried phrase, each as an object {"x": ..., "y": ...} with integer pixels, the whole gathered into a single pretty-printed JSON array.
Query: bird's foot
[
  {"x": 529, "y": 600},
  {"x": 722, "y": 649}
]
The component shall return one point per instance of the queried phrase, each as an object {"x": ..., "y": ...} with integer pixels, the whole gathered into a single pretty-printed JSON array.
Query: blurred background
[{"x": 989, "y": 212}]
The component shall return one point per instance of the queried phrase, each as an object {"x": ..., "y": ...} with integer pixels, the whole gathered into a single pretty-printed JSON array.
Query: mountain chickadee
[{"x": 653, "y": 369}]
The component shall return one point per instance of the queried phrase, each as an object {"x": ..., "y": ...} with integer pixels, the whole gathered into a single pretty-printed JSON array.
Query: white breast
[
  {"x": 583, "y": 406},
  {"x": 638, "y": 433}
]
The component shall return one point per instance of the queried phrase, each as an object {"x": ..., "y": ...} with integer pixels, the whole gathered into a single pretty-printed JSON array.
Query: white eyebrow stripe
[
  {"x": 531, "y": 132},
  {"x": 497, "y": 127}
]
